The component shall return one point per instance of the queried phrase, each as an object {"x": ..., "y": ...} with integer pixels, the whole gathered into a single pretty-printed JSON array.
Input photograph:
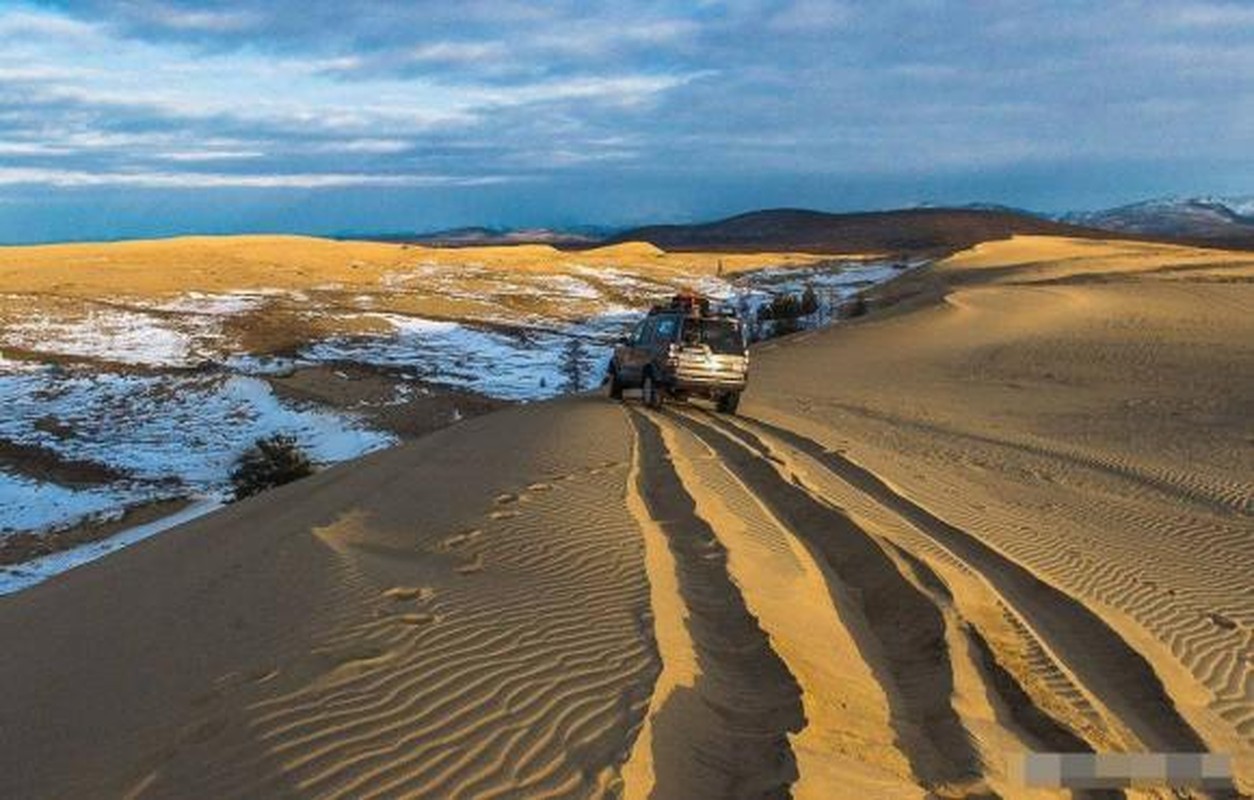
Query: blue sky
[{"x": 150, "y": 117}]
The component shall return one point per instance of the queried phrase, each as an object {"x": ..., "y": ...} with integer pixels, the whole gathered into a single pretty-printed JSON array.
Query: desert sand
[
  {"x": 1010, "y": 510},
  {"x": 235, "y": 263}
]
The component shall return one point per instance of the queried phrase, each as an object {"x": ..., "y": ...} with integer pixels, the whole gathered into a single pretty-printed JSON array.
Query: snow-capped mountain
[{"x": 1210, "y": 218}]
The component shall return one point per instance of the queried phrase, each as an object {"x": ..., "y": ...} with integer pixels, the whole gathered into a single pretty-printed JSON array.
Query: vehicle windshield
[{"x": 720, "y": 335}]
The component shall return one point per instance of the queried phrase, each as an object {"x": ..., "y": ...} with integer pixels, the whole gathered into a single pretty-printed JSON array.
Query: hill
[
  {"x": 908, "y": 231},
  {"x": 1214, "y": 221},
  {"x": 478, "y": 236}
]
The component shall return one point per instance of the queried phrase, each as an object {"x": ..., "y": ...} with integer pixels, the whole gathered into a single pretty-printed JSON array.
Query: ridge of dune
[
  {"x": 1008, "y": 512},
  {"x": 635, "y": 249},
  {"x": 161, "y": 267}
]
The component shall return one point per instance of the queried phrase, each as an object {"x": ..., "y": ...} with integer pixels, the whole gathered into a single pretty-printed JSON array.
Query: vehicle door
[
  {"x": 666, "y": 332},
  {"x": 635, "y": 354}
]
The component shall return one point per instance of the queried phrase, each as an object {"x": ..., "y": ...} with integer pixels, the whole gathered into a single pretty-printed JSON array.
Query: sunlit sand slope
[
  {"x": 1073, "y": 413},
  {"x": 466, "y": 616},
  {"x": 1011, "y": 512}
]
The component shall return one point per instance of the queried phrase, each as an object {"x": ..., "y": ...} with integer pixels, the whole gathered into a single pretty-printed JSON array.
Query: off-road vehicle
[{"x": 681, "y": 350}]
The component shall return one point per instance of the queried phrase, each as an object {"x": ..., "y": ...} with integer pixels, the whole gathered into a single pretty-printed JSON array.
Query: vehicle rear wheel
[
  {"x": 728, "y": 402},
  {"x": 616, "y": 388},
  {"x": 650, "y": 392}
]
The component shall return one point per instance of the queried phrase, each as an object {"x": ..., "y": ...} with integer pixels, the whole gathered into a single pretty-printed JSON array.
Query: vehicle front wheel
[
  {"x": 616, "y": 387},
  {"x": 729, "y": 402},
  {"x": 650, "y": 392}
]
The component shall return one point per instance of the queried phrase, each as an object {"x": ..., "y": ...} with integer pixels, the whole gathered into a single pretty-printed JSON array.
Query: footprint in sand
[
  {"x": 506, "y": 499},
  {"x": 540, "y": 487},
  {"x": 1221, "y": 621},
  {"x": 470, "y": 567},
  {"x": 459, "y": 539},
  {"x": 404, "y": 594},
  {"x": 503, "y": 514},
  {"x": 263, "y": 675},
  {"x": 607, "y": 466},
  {"x": 416, "y": 619}
]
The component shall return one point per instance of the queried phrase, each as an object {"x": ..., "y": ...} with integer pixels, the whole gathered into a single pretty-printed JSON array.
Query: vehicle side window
[
  {"x": 665, "y": 329},
  {"x": 638, "y": 336},
  {"x": 649, "y": 334}
]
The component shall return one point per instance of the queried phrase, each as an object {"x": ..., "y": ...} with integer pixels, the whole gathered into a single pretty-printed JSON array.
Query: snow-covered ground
[
  {"x": 127, "y": 398},
  {"x": 520, "y": 363},
  {"x": 171, "y": 434},
  {"x": 16, "y": 578}
]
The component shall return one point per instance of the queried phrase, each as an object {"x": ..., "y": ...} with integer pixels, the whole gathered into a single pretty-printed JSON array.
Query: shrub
[
  {"x": 271, "y": 461},
  {"x": 781, "y": 314},
  {"x": 809, "y": 301},
  {"x": 785, "y": 326},
  {"x": 785, "y": 306}
]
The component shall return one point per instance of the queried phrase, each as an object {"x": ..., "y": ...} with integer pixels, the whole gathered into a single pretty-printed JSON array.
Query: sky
[{"x": 125, "y": 118}]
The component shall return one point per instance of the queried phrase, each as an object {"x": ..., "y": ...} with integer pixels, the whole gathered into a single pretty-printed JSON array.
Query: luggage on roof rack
[{"x": 693, "y": 305}]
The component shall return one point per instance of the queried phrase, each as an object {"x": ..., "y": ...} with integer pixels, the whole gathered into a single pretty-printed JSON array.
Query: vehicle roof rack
[{"x": 693, "y": 305}]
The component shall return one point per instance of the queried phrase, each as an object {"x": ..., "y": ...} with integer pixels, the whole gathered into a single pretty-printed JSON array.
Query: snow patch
[
  {"x": 121, "y": 336},
  {"x": 16, "y": 578}
]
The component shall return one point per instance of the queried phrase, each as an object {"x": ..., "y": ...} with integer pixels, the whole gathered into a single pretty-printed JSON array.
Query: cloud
[
  {"x": 457, "y": 52},
  {"x": 19, "y": 176},
  {"x": 19, "y": 22},
  {"x": 1225, "y": 16},
  {"x": 810, "y": 16},
  {"x": 202, "y": 20},
  {"x": 156, "y": 95},
  {"x": 209, "y": 155}
]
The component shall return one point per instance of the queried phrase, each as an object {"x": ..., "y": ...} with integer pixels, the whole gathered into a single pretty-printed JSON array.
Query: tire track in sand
[
  {"x": 906, "y": 643},
  {"x": 726, "y": 734},
  {"x": 1096, "y": 536},
  {"x": 1106, "y": 664}
]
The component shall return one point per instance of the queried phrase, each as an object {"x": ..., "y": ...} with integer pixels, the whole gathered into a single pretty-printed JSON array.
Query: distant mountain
[
  {"x": 923, "y": 230},
  {"x": 916, "y": 230},
  {"x": 481, "y": 236},
  {"x": 1213, "y": 220}
]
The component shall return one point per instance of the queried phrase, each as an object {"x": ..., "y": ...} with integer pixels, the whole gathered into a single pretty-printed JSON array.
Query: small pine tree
[
  {"x": 785, "y": 306},
  {"x": 809, "y": 301},
  {"x": 572, "y": 365},
  {"x": 271, "y": 461}
]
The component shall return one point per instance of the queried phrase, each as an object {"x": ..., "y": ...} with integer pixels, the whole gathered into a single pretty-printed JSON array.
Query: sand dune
[
  {"x": 240, "y": 263},
  {"x": 1010, "y": 512}
]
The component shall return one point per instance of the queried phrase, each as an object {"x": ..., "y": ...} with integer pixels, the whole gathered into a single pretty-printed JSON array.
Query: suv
[{"x": 682, "y": 350}]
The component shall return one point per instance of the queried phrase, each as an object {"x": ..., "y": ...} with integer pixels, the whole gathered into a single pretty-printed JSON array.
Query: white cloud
[
  {"x": 193, "y": 156},
  {"x": 621, "y": 89},
  {"x": 1230, "y": 17},
  {"x": 458, "y": 52},
  {"x": 810, "y": 16},
  {"x": 17, "y": 176},
  {"x": 27, "y": 22},
  {"x": 30, "y": 149},
  {"x": 209, "y": 21}
]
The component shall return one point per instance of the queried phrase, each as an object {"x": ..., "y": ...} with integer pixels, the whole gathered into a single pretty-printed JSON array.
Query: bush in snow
[
  {"x": 271, "y": 461},
  {"x": 809, "y": 301},
  {"x": 782, "y": 312},
  {"x": 856, "y": 307}
]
